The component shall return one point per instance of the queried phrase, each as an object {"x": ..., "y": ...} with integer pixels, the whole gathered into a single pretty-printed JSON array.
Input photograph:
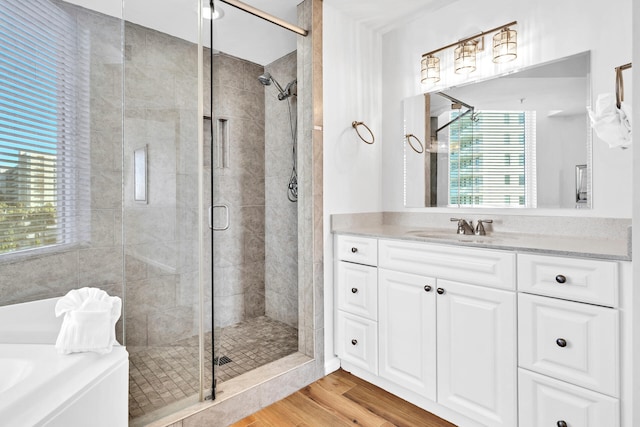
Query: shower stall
[{"x": 171, "y": 173}]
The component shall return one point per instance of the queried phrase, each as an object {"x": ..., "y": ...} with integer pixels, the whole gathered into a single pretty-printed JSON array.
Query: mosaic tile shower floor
[{"x": 162, "y": 375}]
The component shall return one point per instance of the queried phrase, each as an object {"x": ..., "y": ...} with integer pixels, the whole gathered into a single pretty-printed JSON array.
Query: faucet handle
[{"x": 480, "y": 231}]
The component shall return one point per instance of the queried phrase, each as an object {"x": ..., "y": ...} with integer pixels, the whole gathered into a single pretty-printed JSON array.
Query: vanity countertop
[{"x": 589, "y": 247}]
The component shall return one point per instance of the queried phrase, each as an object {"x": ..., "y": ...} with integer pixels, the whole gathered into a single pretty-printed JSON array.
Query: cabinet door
[
  {"x": 546, "y": 402},
  {"x": 357, "y": 341},
  {"x": 476, "y": 337},
  {"x": 570, "y": 341},
  {"x": 357, "y": 290},
  {"x": 407, "y": 331}
]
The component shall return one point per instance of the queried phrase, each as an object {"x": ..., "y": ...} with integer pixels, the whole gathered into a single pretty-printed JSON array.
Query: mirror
[{"x": 518, "y": 140}]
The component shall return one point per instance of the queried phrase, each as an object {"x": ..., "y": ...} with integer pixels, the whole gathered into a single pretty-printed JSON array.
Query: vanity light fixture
[
  {"x": 505, "y": 45},
  {"x": 504, "y": 50},
  {"x": 465, "y": 57},
  {"x": 430, "y": 69}
]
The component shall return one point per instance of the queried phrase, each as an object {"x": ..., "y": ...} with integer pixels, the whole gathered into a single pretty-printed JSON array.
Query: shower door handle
[{"x": 228, "y": 219}]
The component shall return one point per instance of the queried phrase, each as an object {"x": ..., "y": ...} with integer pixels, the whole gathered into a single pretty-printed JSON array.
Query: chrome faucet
[{"x": 464, "y": 227}]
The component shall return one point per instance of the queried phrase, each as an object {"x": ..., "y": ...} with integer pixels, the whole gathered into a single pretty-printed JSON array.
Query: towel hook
[
  {"x": 410, "y": 136},
  {"x": 355, "y": 126},
  {"x": 620, "y": 84}
]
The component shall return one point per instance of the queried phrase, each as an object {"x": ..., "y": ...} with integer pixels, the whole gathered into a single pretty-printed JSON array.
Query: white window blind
[
  {"x": 44, "y": 188},
  {"x": 492, "y": 159}
]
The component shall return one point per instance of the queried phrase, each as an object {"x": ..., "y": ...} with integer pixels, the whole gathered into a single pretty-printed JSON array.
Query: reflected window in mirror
[{"x": 492, "y": 159}]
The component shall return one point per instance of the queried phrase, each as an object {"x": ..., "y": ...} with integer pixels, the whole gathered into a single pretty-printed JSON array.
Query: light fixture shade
[
  {"x": 465, "y": 57},
  {"x": 505, "y": 45},
  {"x": 430, "y": 69}
]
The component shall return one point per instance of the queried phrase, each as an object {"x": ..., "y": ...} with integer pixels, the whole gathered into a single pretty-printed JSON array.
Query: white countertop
[{"x": 589, "y": 247}]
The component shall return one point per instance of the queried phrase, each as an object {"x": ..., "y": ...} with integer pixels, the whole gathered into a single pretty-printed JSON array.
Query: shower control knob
[
  {"x": 354, "y": 290},
  {"x": 354, "y": 250},
  {"x": 354, "y": 342},
  {"x": 560, "y": 278}
]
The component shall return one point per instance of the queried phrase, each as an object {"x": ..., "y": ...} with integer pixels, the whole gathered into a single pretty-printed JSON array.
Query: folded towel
[
  {"x": 612, "y": 124},
  {"x": 90, "y": 317}
]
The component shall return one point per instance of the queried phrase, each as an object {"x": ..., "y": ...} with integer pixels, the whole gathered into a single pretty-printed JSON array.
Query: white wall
[
  {"x": 352, "y": 169},
  {"x": 547, "y": 30},
  {"x": 635, "y": 297}
]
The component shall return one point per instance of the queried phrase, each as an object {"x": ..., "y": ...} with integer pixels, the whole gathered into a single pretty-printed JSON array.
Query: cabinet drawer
[
  {"x": 575, "y": 279},
  {"x": 484, "y": 267},
  {"x": 357, "y": 341},
  {"x": 570, "y": 341},
  {"x": 357, "y": 291},
  {"x": 545, "y": 402},
  {"x": 362, "y": 250}
]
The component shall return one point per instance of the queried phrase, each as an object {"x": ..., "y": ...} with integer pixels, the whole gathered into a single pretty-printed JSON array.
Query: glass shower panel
[
  {"x": 161, "y": 202},
  {"x": 251, "y": 137}
]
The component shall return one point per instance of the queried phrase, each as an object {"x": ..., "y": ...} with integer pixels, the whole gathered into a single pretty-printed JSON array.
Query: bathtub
[{"x": 39, "y": 387}]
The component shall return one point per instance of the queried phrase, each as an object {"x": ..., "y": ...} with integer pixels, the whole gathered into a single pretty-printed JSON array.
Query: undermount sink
[{"x": 450, "y": 235}]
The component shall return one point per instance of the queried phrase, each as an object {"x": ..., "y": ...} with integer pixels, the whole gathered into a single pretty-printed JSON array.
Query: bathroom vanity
[{"x": 492, "y": 330}]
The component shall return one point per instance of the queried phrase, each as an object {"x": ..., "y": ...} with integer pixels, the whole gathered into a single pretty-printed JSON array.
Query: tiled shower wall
[
  {"x": 281, "y": 221},
  {"x": 239, "y": 178}
]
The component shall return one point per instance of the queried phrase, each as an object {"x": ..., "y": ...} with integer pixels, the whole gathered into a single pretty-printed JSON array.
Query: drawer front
[
  {"x": 484, "y": 267},
  {"x": 545, "y": 402},
  {"x": 362, "y": 250},
  {"x": 570, "y": 341},
  {"x": 357, "y": 341},
  {"x": 357, "y": 290},
  {"x": 575, "y": 279}
]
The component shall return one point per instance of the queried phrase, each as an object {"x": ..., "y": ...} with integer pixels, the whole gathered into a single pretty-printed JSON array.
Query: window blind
[
  {"x": 43, "y": 127},
  {"x": 492, "y": 159}
]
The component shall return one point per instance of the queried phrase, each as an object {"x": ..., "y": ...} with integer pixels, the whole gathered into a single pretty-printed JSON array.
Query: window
[
  {"x": 492, "y": 159},
  {"x": 43, "y": 127}
]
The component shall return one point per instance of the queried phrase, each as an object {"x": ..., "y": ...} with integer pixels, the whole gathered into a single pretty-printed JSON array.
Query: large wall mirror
[{"x": 521, "y": 140}]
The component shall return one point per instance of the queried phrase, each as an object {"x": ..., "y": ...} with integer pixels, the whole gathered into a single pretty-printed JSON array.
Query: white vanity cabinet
[
  {"x": 569, "y": 350},
  {"x": 484, "y": 337}
]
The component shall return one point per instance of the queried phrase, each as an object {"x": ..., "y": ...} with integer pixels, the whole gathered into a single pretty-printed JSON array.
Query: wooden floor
[{"x": 341, "y": 399}]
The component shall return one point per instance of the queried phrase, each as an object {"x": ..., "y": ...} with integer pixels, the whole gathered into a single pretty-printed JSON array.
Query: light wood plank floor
[{"x": 341, "y": 399}]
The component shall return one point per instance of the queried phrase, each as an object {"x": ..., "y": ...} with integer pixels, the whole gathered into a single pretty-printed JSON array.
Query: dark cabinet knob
[
  {"x": 440, "y": 291},
  {"x": 561, "y": 423},
  {"x": 354, "y": 290},
  {"x": 354, "y": 342},
  {"x": 560, "y": 278},
  {"x": 354, "y": 250},
  {"x": 427, "y": 288},
  {"x": 561, "y": 342}
]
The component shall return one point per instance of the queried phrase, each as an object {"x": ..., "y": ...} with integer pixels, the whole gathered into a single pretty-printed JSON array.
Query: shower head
[{"x": 265, "y": 79}]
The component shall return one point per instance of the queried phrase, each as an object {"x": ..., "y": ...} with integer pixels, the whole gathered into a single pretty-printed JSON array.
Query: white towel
[
  {"x": 90, "y": 317},
  {"x": 611, "y": 124}
]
